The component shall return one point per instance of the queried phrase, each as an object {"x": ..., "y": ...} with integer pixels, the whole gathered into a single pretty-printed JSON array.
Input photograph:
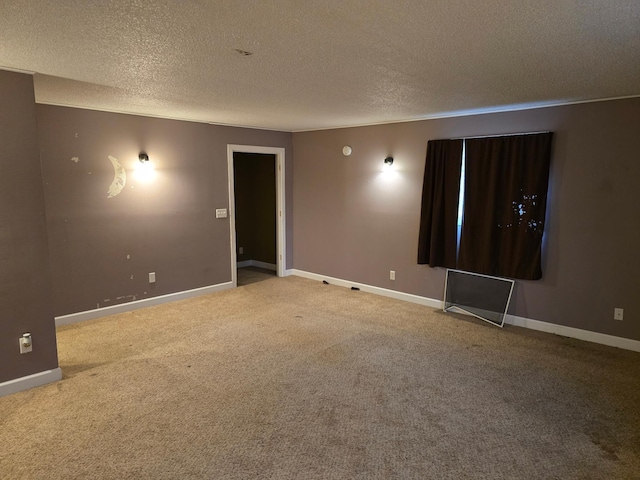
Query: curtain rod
[{"x": 500, "y": 135}]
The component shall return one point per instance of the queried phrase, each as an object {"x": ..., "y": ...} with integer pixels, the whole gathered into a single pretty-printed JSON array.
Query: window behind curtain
[{"x": 503, "y": 199}]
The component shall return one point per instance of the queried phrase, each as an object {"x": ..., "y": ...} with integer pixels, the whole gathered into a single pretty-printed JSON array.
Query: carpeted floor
[{"x": 288, "y": 378}]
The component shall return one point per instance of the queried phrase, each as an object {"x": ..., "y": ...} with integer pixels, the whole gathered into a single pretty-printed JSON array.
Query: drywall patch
[{"x": 119, "y": 178}]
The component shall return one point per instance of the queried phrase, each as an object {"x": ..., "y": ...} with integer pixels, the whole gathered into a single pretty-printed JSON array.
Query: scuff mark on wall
[
  {"x": 75, "y": 159},
  {"x": 119, "y": 178},
  {"x": 131, "y": 297}
]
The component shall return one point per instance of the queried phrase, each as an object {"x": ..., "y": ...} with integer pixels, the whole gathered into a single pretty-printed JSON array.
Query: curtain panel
[
  {"x": 504, "y": 205},
  {"x": 437, "y": 242}
]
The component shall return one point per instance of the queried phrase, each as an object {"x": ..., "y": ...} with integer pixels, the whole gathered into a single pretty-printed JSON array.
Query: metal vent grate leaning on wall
[{"x": 479, "y": 295}]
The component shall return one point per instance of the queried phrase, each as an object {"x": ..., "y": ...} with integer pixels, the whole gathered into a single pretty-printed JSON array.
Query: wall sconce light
[
  {"x": 387, "y": 164},
  {"x": 144, "y": 170}
]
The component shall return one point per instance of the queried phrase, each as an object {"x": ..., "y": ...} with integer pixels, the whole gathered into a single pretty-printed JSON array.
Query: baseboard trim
[
  {"x": 265, "y": 265},
  {"x": 257, "y": 263},
  {"x": 571, "y": 332},
  {"x": 385, "y": 292},
  {"x": 137, "y": 304},
  {"x": 30, "y": 381},
  {"x": 577, "y": 333}
]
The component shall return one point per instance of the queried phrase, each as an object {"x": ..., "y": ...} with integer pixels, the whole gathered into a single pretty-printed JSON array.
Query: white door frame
[{"x": 281, "y": 251}]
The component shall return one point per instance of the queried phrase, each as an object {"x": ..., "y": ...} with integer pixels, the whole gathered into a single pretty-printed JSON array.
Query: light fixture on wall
[
  {"x": 144, "y": 170},
  {"x": 387, "y": 164}
]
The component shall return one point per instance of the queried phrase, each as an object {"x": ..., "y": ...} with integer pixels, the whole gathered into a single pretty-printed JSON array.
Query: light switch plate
[{"x": 26, "y": 343}]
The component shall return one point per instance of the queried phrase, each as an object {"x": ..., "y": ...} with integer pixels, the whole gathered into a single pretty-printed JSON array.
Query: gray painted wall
[
  {"x": 255, "y": 192},
  {"x": 353, "y": 222},
  {"x": 102, "y": 249},
  {"x": 25, "y": 292}
]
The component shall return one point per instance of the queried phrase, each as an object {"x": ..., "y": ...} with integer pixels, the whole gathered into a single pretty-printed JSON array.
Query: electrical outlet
[
  {"x": 392, "y": 274},
  {"x": 152, "y": 277},
  {"x": 241, "y": 250},
  {"x": 618, "y": 313},
  {"x": 26, "y": 343}
]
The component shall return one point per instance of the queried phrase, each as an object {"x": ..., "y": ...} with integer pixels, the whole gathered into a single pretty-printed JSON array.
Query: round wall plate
[{"x": 346, "y": 150}]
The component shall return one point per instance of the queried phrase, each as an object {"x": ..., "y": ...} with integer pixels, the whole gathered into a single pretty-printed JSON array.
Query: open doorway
[
  {"x": 254, "y": 179},
  {"x": 256, "y": 212}
]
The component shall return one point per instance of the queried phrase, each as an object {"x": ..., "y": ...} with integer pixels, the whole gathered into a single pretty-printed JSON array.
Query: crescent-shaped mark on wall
[{"x": 119, "y": 178}]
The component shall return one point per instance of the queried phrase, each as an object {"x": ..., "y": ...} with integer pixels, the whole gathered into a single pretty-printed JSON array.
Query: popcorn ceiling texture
[{"x": 321, "y": 64}]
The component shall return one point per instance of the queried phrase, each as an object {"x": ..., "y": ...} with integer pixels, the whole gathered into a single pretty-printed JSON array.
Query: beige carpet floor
[{"x": 288, "y": 378}]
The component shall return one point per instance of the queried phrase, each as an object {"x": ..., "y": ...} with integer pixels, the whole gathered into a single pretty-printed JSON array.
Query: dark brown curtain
[
  {"x": 437, "y": 242},
  {"x": 505, "y": 201}
]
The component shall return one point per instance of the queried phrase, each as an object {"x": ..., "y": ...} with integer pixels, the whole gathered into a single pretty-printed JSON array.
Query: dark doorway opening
[{"x": 255, "y": 216}]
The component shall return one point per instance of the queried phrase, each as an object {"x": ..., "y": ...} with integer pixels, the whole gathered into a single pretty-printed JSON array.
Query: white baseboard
[
  {"x": 385, "y": 292},
  {"x": 577, "y": 333},
  {"x": 135, "y": 305},
  {"x": 571, "y": 332},
  {"x": 24, "y": 383},
  {"x": 257, "y": 263},
  {"x": 265, "y": 265}
]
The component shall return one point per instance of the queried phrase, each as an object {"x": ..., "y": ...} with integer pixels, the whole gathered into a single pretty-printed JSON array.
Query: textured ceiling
[{"x": 319, "y": 64}]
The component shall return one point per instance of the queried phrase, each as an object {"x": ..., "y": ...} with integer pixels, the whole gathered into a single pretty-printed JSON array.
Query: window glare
[{"x": 461, "y": 196}]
